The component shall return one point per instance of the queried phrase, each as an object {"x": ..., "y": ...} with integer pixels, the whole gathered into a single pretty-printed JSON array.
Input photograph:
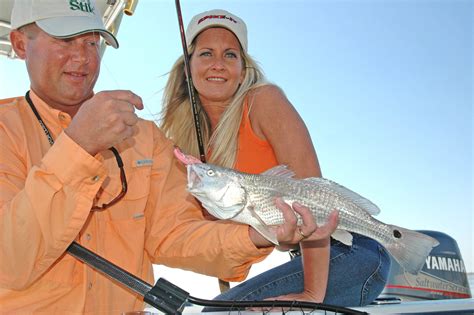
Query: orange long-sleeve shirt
[{"x": 46, "y": 193}]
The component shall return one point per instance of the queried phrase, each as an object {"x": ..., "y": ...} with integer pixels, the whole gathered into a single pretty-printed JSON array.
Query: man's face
[{"x": 62, "y": 72}]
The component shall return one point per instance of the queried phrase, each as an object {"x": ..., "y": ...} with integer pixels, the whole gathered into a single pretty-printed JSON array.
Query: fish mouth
[{"x": 193, "y": 178}]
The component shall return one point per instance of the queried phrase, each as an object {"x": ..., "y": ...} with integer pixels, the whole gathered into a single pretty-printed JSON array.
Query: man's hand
[{"x": 105, "y": 120}]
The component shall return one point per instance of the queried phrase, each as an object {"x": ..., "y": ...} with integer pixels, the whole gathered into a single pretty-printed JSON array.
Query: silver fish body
[{"x": 249, "y": 199}]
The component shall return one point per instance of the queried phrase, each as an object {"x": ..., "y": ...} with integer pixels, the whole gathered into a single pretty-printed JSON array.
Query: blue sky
[{"x": 384, "y": 86}]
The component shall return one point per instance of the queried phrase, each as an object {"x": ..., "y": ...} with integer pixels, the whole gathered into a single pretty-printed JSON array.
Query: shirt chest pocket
[{"x": 132, "y": 205}]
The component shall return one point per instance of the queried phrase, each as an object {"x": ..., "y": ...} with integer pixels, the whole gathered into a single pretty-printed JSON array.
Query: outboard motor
[{"x": 443, "y": 276}]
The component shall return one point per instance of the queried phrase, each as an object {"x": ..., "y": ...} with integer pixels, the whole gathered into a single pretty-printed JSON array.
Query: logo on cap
[
  {"x": 82, "y": 5},
  {"x": 216, "y": 17}
]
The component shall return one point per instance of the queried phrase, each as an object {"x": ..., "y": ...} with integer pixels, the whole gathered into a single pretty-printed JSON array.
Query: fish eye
[{"x": 210, "y": 173}]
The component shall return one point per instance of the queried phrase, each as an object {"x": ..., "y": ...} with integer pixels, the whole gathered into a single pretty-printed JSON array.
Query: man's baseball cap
[
  {"x": 61, "y": 18},
  {"x": 217, "y": 18}
]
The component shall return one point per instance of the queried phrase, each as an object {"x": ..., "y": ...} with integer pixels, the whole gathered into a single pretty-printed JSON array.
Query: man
[{"x": 62, "y": 180}]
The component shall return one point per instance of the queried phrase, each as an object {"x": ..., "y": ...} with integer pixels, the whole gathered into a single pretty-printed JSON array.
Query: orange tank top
[{"x": 254, "y": 155}]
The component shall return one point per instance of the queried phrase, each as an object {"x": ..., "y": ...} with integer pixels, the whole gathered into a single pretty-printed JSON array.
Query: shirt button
[
  {"x": 95, "y": 178},
  {"x": 88, "y": 236},
  {"x": 89, "y": 286}
]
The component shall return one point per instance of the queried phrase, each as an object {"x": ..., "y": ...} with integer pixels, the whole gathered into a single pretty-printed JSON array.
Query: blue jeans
[{"x": 357, "y": 275}]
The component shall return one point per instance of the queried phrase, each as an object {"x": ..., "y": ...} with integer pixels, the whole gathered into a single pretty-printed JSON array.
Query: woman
[{"x": 249, "y": 124}]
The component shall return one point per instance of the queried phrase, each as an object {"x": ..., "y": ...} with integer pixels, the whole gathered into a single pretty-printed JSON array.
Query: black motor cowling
[{"x": 443, "y": 276}]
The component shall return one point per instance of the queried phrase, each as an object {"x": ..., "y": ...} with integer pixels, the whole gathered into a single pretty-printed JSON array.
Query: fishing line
[{"x": 194, "y": 99}]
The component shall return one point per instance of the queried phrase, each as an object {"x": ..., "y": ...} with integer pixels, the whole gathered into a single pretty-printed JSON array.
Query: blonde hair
[{"x": 177, "y": 117}]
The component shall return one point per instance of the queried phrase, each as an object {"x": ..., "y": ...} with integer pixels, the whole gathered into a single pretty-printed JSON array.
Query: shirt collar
[{"x": 50, "y": 116}]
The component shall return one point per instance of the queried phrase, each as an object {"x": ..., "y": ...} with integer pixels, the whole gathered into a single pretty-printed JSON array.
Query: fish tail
[{"x": 410, "y": 248}]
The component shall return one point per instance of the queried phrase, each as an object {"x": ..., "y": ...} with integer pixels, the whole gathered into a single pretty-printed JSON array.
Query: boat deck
[{"x": 438, "y": 307}]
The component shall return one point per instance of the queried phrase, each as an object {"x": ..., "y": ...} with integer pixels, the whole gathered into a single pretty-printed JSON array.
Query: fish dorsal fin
[
  {"x": 281, "y": 171},
  {"x": 342, "y": 236},
  {"x": 346, "y": 193}
]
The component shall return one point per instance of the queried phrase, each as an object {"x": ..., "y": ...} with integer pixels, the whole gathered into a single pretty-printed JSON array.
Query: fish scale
[
  {"x": 250, "y": 199},
  {"x": 320, "y": 200}
]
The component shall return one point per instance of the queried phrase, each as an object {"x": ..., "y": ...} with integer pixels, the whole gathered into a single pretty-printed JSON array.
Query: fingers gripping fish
[{"x": 249, "y": 199}]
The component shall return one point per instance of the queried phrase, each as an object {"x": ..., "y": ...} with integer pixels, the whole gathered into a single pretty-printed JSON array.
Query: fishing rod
[
  {"x": 171, "y": 299},
  {"x": 194, "y": 99}
]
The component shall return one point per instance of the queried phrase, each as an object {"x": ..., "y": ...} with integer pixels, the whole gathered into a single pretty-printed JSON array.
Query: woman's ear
[{"x": 18, "y": 40}]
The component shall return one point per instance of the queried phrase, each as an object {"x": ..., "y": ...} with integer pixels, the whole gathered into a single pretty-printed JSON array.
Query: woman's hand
[{"x": 289, "y": 234}]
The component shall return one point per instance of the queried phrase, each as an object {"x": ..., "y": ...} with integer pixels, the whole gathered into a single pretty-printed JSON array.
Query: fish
[{"x": 228, "y": 194}]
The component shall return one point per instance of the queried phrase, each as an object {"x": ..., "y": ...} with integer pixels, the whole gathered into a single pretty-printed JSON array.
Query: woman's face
[{"x": 216, "y": 66}]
